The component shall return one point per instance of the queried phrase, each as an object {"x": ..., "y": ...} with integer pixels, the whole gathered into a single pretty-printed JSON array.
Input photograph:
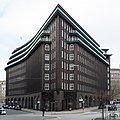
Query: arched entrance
[
  {"x": 90, "y": 101},
  {"x": 81, "y": 101},
  {"x": 86, "y": 101}
]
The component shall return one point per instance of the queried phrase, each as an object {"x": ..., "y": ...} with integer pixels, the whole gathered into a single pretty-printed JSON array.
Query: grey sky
[{"x": 23, "y": 18}]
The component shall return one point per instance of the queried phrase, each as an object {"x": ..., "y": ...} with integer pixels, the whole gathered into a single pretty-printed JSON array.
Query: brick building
[{"x": 62, "y": 66}]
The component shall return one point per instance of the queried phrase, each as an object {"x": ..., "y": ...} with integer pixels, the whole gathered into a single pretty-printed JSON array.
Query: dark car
[
  {"x": 5, "y": 106},
  {"x": 112, "y": 107},
  {"x": 102, "y": 106},
  {"x": 18, "y": 107}
]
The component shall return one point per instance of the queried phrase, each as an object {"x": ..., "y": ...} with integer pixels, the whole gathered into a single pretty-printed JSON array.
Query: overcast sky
[{"x": 21, "y": 19}]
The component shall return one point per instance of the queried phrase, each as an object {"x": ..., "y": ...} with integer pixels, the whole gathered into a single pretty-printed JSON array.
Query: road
[
  {"x": 15, "y": 112},
  {"x": 22, "y": 115},
  {"x": 81, "y": 116}
]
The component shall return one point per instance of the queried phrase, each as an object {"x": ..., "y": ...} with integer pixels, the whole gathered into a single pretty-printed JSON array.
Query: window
[
  {"x": 46, "y": 76},
  {"x": 47, "y": 67},
  {"x": 67, "y": 86},
  {"x": 62, "y": 43},
  {"x": 71, "y": 86},
  {"x": 62, "y": 85},
  {"x": 46, "y": 86},
  {"x": 62, "y": 23},
  {"x": 71, "y": 76},
  {"x": 64, "y": 65},
  {"x": 62, "y": 33},
  {"x": 47, "y": 47},
  {"x": 71, "y": 56},
  {"x": 78, "y": 77},
  {"x": 71, "y": 67},
  {"x": 78, "y": 57},
  {"x": 71, "y": 47},
  {"x": 47, "y": 57},
  {"x": 62, "y": 75},
  {"x": 62, "y": 54},
  {"x": 67, "y": 76}
]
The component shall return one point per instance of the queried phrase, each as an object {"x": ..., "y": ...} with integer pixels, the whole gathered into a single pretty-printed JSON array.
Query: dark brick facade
[{"x": 61, "y": 67}]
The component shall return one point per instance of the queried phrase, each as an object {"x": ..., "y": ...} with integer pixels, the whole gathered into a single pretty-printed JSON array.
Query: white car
[{"x": 2, "y": 111}]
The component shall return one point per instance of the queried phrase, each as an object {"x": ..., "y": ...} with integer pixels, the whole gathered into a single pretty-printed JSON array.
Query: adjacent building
[
  {"x": 2, "y": 91},
  {"x": 61, "y": 67},
  {"x": 115, "y": 84}
]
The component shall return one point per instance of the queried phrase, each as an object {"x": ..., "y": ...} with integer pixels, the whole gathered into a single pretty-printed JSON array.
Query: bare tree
[{"x": 115, "y": 91}]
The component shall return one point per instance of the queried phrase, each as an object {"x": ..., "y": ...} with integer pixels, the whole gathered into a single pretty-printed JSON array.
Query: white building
[
  {"x": 115, "y": 83},
  {"x": 2, "y": 91}
]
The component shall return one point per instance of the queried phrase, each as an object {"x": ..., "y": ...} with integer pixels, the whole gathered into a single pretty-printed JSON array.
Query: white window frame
[
  {"x": 46, "y": 86},
  {"x": 71, "y": 47},
  {"x": 71, "y": 86},
  {"x": 47, "y": 56},
  {"x": 47, "y": 47},
  {"x": 47, "y": 66},
  {"x": 62, "y": 64},
  {"x": 47, "y": 77},
  {"x": 71, "y": 67},
  {"x": 62, "y": 85},
  {"x": 62, "y": 54},
  {"x": 62, "y": 75},
  {"x": 71, "y": 56},
  {"x": 71, "y": 76}
]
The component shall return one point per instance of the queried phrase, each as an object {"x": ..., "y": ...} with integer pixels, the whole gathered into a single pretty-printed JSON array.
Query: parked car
[
  {"x": 11, "y": 107},
  {"x": 102, "y": 106},
  {"x": 112, "y": 107},
  {"x": 5, "y": 106},
  {"x": 2, "y": 111},
  {"x": 18, "y": 107}
]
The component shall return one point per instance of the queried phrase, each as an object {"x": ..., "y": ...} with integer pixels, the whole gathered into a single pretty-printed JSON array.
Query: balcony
[
  {"x": 71, "y": 40},
  {"x": 45, "y": 33},
  {"x": 73, "y": 33},
  {"x": 45, "y": 39}
]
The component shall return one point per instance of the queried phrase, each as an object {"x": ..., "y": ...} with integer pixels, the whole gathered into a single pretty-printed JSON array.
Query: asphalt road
[
  {"x": 21, "y": 115},
  {"x": 16, "y": 112}
]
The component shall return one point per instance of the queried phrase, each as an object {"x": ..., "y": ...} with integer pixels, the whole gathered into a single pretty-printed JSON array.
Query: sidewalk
[
  {"x": 61, "y": 112},
  {"x": 106, "y": 119},
  {"x": 54, "y": 114}
]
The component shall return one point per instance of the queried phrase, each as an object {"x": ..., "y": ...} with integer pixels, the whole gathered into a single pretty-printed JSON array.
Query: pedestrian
[{"x": 43, "y": 111}]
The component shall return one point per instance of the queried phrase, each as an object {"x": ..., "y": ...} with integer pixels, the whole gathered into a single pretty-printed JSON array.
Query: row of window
[
  {"x": 47, "y": 76},
  {"x": 81, "y": 87},
  {"x": 22, "y": 65},
  {"x": 66, "y": 76},
  {"x": 16, "y": 92},
  {"x": 71, "y": 86},
  {"x": 53, "y": 55},
  {"x": 17, "y": 79},
  {"x": 18, "y": 85},
  {"x": 68, "y": 47},
  {"x": 65, "y": 56}
]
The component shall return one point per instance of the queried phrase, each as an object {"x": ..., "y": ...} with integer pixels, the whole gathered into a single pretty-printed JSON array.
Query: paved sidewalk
[
  {"x": 62, "y": 112},
  {"x": 107, "y": 119},
  {"x": 54, "y": 114}
]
